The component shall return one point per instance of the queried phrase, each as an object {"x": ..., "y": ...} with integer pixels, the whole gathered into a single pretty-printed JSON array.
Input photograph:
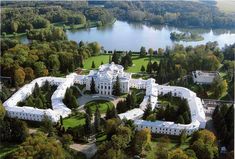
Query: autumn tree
[
  {"x": 19, "y": 76},
  {"x": 142, "y": 140},
  {"x": 2, "y": 111},
  {"x": 46, "y": 148}
]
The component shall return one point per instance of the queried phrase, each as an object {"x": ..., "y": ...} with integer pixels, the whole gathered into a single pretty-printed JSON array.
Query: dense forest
[
  {"x": 175, "y": 13},
  {"x": 24, "y": 16}
]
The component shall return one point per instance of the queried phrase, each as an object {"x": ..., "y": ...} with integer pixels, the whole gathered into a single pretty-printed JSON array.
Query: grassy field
[
  {"x": 6, "y": 149},
  {"x": 137, "y": 62},
  {"x": 226, "y": 6},
  {"x": 101, "y": 104},
  {"x": 74, "y": 121}
]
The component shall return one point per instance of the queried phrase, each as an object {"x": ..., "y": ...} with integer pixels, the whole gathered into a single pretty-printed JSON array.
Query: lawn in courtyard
[
  {"x": 74, "y": 120},
  {"x": 101, "y": 104},
  {"x": 137, "y": 62}
]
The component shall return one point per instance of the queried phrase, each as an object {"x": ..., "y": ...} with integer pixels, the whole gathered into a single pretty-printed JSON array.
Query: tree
[
  {"x": 183, "y": 137},
  {"x": 149, "y": 67},
  {"x": 61, "y": 120},
  {"x": 29, "y": 73},
  {"x": 178, "y": 154},
  {"x": 39, "y": 146},
  {"x": 155, "y": 66},
  {"x": 67, "y": 139},
  {"x": 39, "y": 103},
  {"x": 97, "y": 122},
  {"x": 186, "y": 117},
  {"x": 204, "y": 151},
  {"x": 219, "y": 87},
  {"x": 19, "y": 76},
  {"x": 111, "y": 127},
  {"x": 142, "y": 52},
  {"x": 115, "y": 58},
  {"x": 93, "y": 90},
  {"x": 14, "y": 26},
  {"x": 113, "y": 113},
  {"x": 148, "y": 109},
  {"x": 142, "y": 68},
  {"x": 88, "y": 126},
  {"x": 180, "y": 120},
  {"x": 121, "y": 107},
  {"x": 93, "y": 64},
  {"x": 89, "y": 112},
  {"x": 47, "y": 126},
  {"x": 54, "y": 62},
  {"x": 40, "y": 69},
  {"x": 122, "y": 138},
  {"x": 2, "y": 111},
  {"x": 142, "y": 140},
  {"x": 74, "y": 103},
  {"x": 116, "y": 87},
  {"x": 150, "y": 52}
]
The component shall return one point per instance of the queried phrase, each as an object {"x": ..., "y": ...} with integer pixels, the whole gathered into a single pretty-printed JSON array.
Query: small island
[{"x": 185, "y": 37}]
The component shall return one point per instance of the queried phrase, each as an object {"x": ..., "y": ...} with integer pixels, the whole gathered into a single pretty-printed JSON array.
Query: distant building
[
  {"x": 204, "y": 77},
  {"x": 104, "y": 78}
]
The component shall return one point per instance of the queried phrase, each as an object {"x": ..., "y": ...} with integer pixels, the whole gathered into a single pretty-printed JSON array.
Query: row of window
[{"x": 165, "y": 130}]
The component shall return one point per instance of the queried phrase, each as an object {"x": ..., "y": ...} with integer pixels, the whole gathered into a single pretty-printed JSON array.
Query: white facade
[
  {"x": 202, "y": 77},
  {"x": 104, "y": 78}
]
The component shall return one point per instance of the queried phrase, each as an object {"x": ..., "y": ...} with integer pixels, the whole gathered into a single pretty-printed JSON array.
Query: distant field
[
  {"x": 137, "y": 62},
  {"x": 226, "y": 6}
]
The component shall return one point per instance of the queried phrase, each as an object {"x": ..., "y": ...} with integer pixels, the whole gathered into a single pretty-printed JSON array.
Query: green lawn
[
  {"x": 97, "y": 60},
  {"x": 6, "y": 149},
  {"x": 102, "y": 105},
  {"x": 137, "y": 62},
  {"x": 74, "y": 121}
]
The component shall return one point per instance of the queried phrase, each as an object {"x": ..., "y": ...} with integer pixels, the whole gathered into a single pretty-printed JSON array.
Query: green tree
[
  {"x": 73, "y": 103},
  {"x": 219, "y": 87},
  {"x": 47, "y": 126},
  {"x": 115, "y": 58},
  {"x": 54, "y": 62},
  {"x": 116, "y": 87},
  {"x": 150, "y": 52},
  {"x": 148, "y": 109},
  {"x": 89, "y": 112},
  {"x": 39, "y": 103},
  {"x": 97, "y": 121},
  {"x": 121, "y": 107},
  {"x": 149, "y": 67},
  {"x": 40, "y": 69},
  {"x": 67, "y": 139},
  {"x": 142, "y": 68},
  {"x": 2, "y": 111},
  {"x": 93, "y": 64},
  {"x": 142, "y": 52},
  {"x": 88, "y": 126},
  {"x": 93, "y": 90}
]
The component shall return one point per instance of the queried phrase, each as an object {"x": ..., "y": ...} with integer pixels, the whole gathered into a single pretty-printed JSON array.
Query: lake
[{"x": 130, "y": 36}]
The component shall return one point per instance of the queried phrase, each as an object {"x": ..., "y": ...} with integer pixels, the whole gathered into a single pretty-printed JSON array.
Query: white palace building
[{"x": 105, "y": 78}]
